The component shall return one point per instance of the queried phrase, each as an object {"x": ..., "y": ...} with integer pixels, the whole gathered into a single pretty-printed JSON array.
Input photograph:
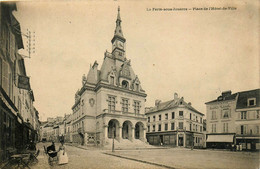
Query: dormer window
[
  {"x": 112, "y": 80},
  {"x": 251, "y": 102},
  {"x": 137, "y": 87},
  {"x": 125, "y": 84}
]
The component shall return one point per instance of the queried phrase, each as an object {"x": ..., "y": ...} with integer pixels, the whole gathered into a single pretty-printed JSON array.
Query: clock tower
[{"x": 118, "y": 41}]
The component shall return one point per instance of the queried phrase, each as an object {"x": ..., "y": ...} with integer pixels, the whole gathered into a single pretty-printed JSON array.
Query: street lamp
[{"x": 113, "y": 135}]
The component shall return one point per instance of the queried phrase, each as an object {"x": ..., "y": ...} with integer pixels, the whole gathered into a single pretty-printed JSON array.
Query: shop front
[
  {"x": 249, "y": 143},
  {"x": 220, "y": 141}
]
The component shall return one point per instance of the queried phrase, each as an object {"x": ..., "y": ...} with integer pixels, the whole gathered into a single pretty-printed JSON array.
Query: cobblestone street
[
  {"x": 173, "y": 158},
  {"x": 80, "y": 159},
  {"x": 186, "y": 158}
]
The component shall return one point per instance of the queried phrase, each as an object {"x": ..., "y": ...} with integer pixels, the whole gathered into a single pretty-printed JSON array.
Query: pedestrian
[{"x": 63, "y": 157}]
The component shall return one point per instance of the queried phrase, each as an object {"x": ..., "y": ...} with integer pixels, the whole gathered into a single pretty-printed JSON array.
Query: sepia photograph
[{"x": 127, "y": 84}]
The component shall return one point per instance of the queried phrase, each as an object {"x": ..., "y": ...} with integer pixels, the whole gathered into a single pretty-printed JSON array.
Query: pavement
[
  {"x": 84, "y": 158},
  {"x": 81, "y": 157},
  {"x": 196, "y": 158}
]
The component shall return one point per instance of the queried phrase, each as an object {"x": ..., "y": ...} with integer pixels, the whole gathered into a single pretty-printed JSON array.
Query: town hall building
[{"x": 111, "y": 101}]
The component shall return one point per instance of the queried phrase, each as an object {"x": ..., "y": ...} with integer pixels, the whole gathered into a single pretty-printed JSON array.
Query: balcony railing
[{"x": 123, "y": 113}]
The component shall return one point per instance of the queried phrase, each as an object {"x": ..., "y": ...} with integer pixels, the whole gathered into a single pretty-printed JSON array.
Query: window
[
  {"x": 148, "y": 119},
  {"x": 201, "y": 120},
  {"x": 225, "y": 113},
  {"x": 173, "y": 115},
  {"x": 5, "y": 76},
  {"x": 137, "y": 87},
  {"x": 243, "y": 129},
  {"x": 153, "y": 127},
  {"x": 172, "y": 126},
  {"x": 190, "y": 116},
  {"x": 193, "y": 127},
  {"x": 257, "y": 129},
  {"x": 196, "y": 118},
  {"x": 181, "y": 113},
  {"x": 159, "y": 127},
  {"x": 137, "y": 107},
  {"x": 190, "y": 127},
  {"x": 180, "y": 125},
  {"x": 225, "y": 127},
  {"x": 111, "y": 103},
  {"x": 196, "y": 127},
  {"x": 243, "y": 115},
  {"x": 148, "y": 128},
  {"x": 125, "y": 105},
  {"x": 112, "y": 80},
  {"x": 166, "y": 116},
  {"x": 153, "y": 118},
  {"x": 200, "y": 128},
  {"x": 166, "y": 126},
  {"x": 125, "y": 84},
  {"x": 251, "y": 102},
  {"x": 257, "y": 114},
  {"x": 160, "y": 117},
  {"x": 213, "y": 129},
  {"x": 213, "y": 115}
]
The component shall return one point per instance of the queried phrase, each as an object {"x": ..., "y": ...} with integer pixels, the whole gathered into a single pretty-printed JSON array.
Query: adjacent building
[
  {"x": 247, "y": 119},
  {"x": 111, "y": 101},
  {"x": 175, "y": 123},
  {"x": 221, "y": 127},
  {"x": 234, "y": 119},
  {"x": 19, "y": 120}
]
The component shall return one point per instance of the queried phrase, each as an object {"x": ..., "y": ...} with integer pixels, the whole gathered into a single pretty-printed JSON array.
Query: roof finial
[{"x": 118, "y": 14}]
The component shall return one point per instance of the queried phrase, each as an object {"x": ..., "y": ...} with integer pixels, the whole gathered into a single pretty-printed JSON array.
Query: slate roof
[
  {"x": 242, "y": 101},
  {"x": 172, "y": 104},
  {"x": 231, "y": 97}
]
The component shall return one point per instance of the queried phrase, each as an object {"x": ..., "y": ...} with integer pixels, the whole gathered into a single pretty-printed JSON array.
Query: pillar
[
  {"x": 120, "y": 133},
  {"x": 105, "y": 133},
  {"x": 144, "y": 135},
  {"x": 133, "y": 133}
]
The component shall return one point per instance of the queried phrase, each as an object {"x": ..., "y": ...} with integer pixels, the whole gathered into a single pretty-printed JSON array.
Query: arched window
[{"x": 125, "y": 84}]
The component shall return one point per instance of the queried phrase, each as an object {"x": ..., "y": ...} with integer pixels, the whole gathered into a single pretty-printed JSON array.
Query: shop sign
[{"x": 24, "y": 82}]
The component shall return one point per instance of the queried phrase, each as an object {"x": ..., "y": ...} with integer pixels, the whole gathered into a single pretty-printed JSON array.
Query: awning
[{"x": 220, "y": 138}]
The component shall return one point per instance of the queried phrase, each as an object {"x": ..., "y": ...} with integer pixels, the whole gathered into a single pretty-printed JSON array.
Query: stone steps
[{"x": 124, "y": 144}]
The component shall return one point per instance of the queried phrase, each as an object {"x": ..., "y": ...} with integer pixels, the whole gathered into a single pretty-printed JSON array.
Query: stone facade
[
  {"x": 175, "y": 123},
  {"x": 233, "y": 119},
  {"x": 111, "y": 101}
]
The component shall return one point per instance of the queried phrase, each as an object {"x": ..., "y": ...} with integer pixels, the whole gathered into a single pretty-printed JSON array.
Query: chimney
[
  {"x": 157, "y": 102},
  {"x": 175, "y": 96},
  {"x": 226, "y": 93}
]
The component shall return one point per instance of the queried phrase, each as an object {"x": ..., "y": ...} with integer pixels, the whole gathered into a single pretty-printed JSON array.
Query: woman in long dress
[{"x": 63, "y": 157}]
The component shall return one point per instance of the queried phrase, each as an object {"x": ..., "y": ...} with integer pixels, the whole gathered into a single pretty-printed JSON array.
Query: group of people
[{"x": 60, "y": 153}]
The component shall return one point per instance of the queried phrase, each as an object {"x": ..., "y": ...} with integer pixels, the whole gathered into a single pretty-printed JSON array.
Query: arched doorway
[
  {"x": 139, "y": 130},
  {"x": 126, "y": 130},
  {"x": 113, "y": 125}
]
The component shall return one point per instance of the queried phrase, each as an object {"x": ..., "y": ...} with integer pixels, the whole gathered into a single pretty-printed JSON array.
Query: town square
[{"x": 126, "y": 84}]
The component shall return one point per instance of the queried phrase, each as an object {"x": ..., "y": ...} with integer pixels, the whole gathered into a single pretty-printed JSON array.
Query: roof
[
  {"x": 175, "y": 103},
  {"x": 118, "y": 31},
  {"x": 219, "y": 99},
  {"x": 242, "y": 101}
]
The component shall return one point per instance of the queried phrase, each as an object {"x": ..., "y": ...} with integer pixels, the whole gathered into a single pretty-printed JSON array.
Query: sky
[{"x": 195, "y": 53}]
